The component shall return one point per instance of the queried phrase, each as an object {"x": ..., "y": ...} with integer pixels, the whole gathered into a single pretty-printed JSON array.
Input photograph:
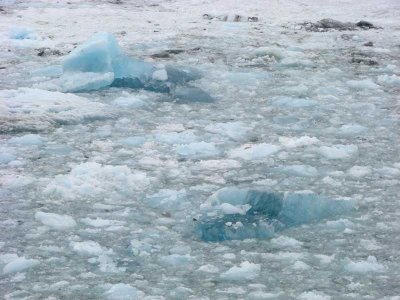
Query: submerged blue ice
[
  {"x": 237, "y": 214},
  {"x": 101, "y": 54}
]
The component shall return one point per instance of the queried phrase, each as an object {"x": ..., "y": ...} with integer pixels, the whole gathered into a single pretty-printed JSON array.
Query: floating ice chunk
[
  {"x": 254, "y": 151},
  {"x": 286, "y": 242},
  {"x": 95, "y": 55},
  {"x": 246, "y": 271},
  {"x": 294, "y": 62},
  {"x": 167, "y": 199},
  {"x": 133, "y": 141},
  {"x": 129, "y": 102},
  {"x": 84, "y": 81},
  {"x": 208, "y": 269},
  {"x": 197, "y": 150},
  {"x": 101, "y": 54},
  {"x": 351, "y": 130},
  {"x": 19, "y": 264},
  {"x": 314, "y": 295},
  {"x": 299, "y": 170},
  {"x": 221, "y": 164},
  {"x": 171, "y": 138},
  {"x": 300, "y": 265},
  {"x": 338, "y": 151},
  {"x": 293, "y": 142},
  {"x": 92, "y": 180},
  {"x": 21, "y": 33},
  {"x": 27, "y": 140},
  {"x": 191, "y": 94},
  {"x": 365, "y": 84},
  {"x": 98, "y": 222},
  {"x": 369, "y": 265},
  {"x": 35, "y": 109},
  {"x": 389, "y": 81},
  {"x": 6, "y": 155},
  {"x": 359, "y": 171},
  {"x": 160, "y": 75},
  {"x": 234, "y": 130},
  {"x": 89, "y": 248},
  {"x": 293, "y": 102},
  {"x": 265, "y": 213},
  {"x": 55, "y": 221},
  {"x": 122, "y": 291},
  {"x": 176, "y": 259}
]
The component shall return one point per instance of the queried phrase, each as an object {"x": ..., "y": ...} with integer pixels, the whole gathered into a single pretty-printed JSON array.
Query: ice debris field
[{"x": 199, "y": 149}]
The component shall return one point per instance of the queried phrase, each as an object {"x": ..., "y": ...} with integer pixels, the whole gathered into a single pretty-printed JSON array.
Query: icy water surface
[{"x": 100, "y": 191}]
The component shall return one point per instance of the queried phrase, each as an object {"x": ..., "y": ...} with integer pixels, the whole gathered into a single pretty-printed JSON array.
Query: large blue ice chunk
[
  {"x": 236, "y": 214},
  {"x": 97, "y": 55},
  {"x": 101, "y": 54}
]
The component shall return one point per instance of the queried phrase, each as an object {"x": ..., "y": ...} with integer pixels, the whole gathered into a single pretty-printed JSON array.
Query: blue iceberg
[
  {"x": 102, "y": 55},
  {"x": 237, "y": 214}
]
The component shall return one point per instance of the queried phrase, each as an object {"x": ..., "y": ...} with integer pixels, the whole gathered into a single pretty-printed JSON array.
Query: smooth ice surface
[
  {"x": 20, "y": 264},
  {"x": 233, "y": 213},
  {"x": 55, "y": 221}
]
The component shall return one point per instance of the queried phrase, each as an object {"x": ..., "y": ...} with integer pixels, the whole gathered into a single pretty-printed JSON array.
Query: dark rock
[
  {"x": 331, "y": 24},
  {"x": 252, "y": 19},
  {"x": 364, "y": 61},
  {"x": 365, "y": 25},
  {"x": 369, "y": 44}
]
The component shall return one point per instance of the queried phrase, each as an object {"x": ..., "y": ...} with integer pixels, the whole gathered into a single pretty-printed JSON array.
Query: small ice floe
[
  {"x": 365, "y": 266},
  {"x": 123, "y": 291},
  {"x": 254, "y": 151},
  {"x": 91, "y": 180},
  {"x": 237, "y": 214},
  {"x": 55, "y": 221},
  {"x": 19, "y": 264},
  {"x": 246, "y": 271},
  {"x": 338, "y": 151},
  {"x": 22, "y": 33},
  {"x": 100, "y": 63}
]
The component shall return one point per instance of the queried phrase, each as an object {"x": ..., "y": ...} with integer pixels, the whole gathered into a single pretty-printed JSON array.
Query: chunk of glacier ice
[
  {"x": 122, "y": 291},
  {"x": 267, "y": 213},
  {"x": 100, "y": 62},
  {"x": 19, "y": 264}
]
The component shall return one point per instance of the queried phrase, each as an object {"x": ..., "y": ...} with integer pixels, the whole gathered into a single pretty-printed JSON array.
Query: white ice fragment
[
  {"x": 36, "y": 109},
  {"x": 366, "y": 266},
  {"x": 167, "y": 199},
  {"x": 98, "y": 222},
  {"x": 27, "y": 140},
  {"x": 359, "y": 171},
  {"x": 208, "y": 269},
  {"x": 299, "y": 170},
  {"x": 20, "y": 264},
  {"x": 338, "y": 151},
  {"x": 300, "y": 265},
  {"x": 55, "y": 221},
  {"x": 254, "y": 151},
  {"x": 314, "y": 295},
  {"x": 197, "y": 150},
  {"x": 221, "y": 164},
  {"x": 160, "y": 75},
  {"x": 293, "y": 142},
  {"x": 389, "y": 81},
  {"x": 289, "y": 102},
  {"x": 176, "y": 259},
  {"x": 233, "y": 130},
  {"x": 286, "y": 242},
  {"x": 89, "y": 248},
  {"x": 325, "y": 259},
  {"x": 350, "y": 130},
  {"x": 246, "y": 271},
  {"x": 95, "y": 180},
  {"x": 365, "y": 84},
  {"x": 129, "y": 102},
  {"x": 21, "y": 33},
  {"x": 172, "y": 138},
  {"x": 122, "y": 291}
]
